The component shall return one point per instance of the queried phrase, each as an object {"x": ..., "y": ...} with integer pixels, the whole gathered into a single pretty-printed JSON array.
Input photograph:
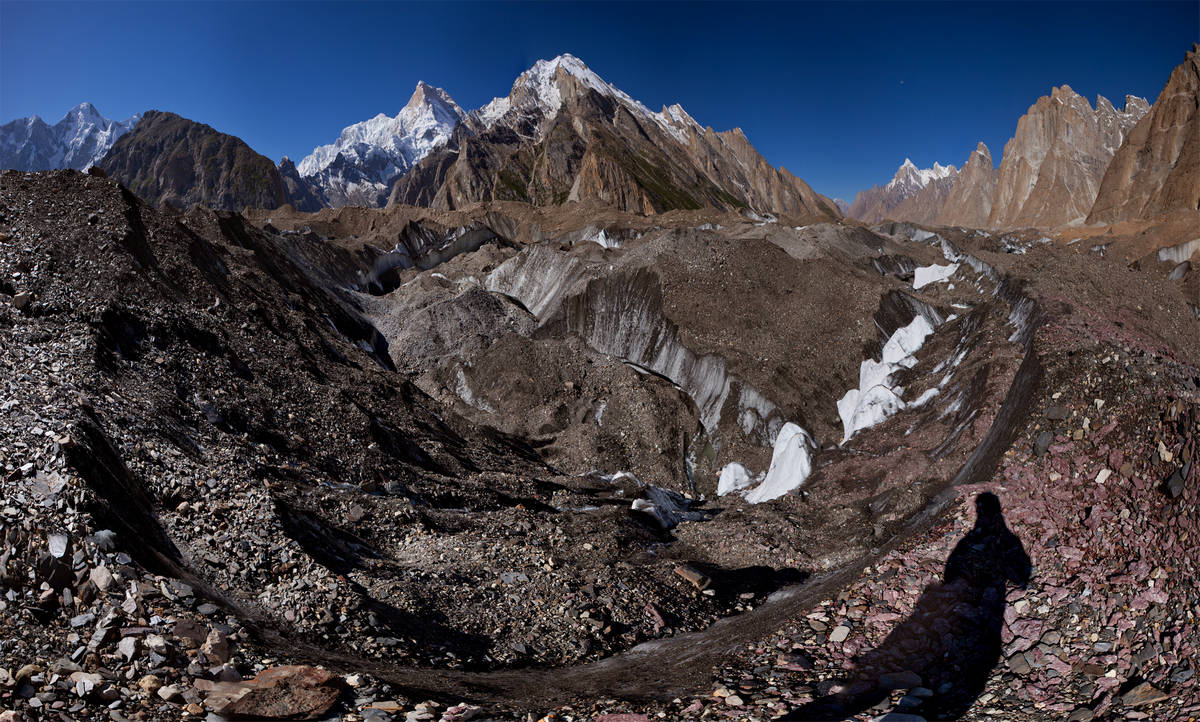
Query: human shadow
[{"x": 951, "y": 641}]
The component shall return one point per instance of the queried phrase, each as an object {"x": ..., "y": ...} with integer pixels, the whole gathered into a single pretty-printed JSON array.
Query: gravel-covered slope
[{"x": 229, "y": 447}]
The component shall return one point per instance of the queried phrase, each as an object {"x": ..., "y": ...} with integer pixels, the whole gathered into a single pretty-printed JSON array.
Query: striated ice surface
[{"x": 1180, "y": 253}]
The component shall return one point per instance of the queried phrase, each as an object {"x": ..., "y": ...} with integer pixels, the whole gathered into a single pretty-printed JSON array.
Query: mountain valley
[{"x": 562, "y": 408}]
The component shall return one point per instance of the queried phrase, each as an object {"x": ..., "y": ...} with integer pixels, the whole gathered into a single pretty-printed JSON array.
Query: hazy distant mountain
[
  {"x": 359, "y": 167},
  {"x": 169, "y": 158},
  {"x": 875, "y": 204},
  {"x": 1157, "y": 168},
  {"x": 564, "y": 134},
  {"x": 77, "y": 141},
  {"x": 969, "y": 202}
]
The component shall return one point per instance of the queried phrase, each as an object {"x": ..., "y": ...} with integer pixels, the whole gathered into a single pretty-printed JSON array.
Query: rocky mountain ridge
[
  {"x": 1052, "y": 166},
  {"x": 564, "y": 134},
  {"x": 1049, "y": 174},
  {"x": 170, "y": 159},
  {"x": 1157, "y": 168}
]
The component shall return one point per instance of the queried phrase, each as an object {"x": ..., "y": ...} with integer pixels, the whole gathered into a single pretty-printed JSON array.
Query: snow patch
[
  {"x": 735, "y": 477},
  {"x": 925, "y": 275}
]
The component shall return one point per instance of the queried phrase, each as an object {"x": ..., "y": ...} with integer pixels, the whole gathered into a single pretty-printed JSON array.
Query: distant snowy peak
[
  {"x": 358, "y": 167},
  {"x": 78, "y": 141},
  {"x": 87, "y": 135},
  {"x": 538, "y": 91},
  {"x": 915, "y": 178},
  {"x": 425, "y": 122}
]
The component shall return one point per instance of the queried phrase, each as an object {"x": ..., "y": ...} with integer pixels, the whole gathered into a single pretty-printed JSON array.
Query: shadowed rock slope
[{"x": 170, "y": 159}]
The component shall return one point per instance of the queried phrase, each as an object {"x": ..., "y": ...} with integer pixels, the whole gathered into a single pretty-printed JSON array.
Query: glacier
[
  {"x": 876, "y": 398},
  {"x": 791, "y": 464}
]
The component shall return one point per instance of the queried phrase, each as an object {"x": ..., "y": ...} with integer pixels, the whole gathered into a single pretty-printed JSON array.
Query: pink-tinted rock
[
  {"x": 1031, "y": 628},
  {"x": 1058, "y": 665},
  {"x": 287, "y": 692}
]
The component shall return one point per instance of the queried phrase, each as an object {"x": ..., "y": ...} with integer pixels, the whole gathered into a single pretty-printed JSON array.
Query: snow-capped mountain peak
[
  {"x": 358, "y": 167},
  {"x": 85, "y": 112},
  {"x": 424, "y": 123},
  {"x": 435, "y": 102},
  {"x": 77, "y": 141},
  {"x": 537, "y": 91},
  {"x": 908, "y": 175}
]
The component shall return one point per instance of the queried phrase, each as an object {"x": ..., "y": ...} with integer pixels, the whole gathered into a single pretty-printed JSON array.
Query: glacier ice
[
  {"x": 734, "y": 477},
  {"x": 791, "y": 463},
  {"x": 876, "y": 398},
  {"x": 925, "y": 275}
]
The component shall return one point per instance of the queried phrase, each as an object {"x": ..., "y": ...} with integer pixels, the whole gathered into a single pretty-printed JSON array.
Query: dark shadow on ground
[{"x": 951, "y": 640}]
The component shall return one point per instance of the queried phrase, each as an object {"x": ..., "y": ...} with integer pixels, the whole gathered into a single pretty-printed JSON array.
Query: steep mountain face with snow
[
  {"x": 1053, "y": 165},
  {"x": 1157, "y": 168},
  {"x": 564, "y": 134},
  {"x": 931, "y": 184},
  {"x": 926, "y": 204},
  {"x": 359, "y": 167},
  {"x": 77, "y": 141}
]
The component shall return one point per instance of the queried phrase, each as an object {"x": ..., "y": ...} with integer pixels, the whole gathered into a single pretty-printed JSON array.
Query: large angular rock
[
  {"x": 288, "y": 692},
  {"x": 1143, "y": 694}
]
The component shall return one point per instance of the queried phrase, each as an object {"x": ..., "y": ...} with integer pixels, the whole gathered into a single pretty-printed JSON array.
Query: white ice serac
[
  {"x": 791, "y": 463},
  {"x": 877, "y": 397}
]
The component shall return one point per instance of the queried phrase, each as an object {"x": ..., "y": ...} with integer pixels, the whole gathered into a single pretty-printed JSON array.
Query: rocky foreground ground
[{"x": 162, "y": 555}]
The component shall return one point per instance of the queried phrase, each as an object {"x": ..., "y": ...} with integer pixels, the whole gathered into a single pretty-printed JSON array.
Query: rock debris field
[{"x": 232, "y": 487}]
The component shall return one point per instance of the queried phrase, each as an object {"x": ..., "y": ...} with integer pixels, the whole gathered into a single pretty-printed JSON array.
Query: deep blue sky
[{"x": 839, "y": 93}]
